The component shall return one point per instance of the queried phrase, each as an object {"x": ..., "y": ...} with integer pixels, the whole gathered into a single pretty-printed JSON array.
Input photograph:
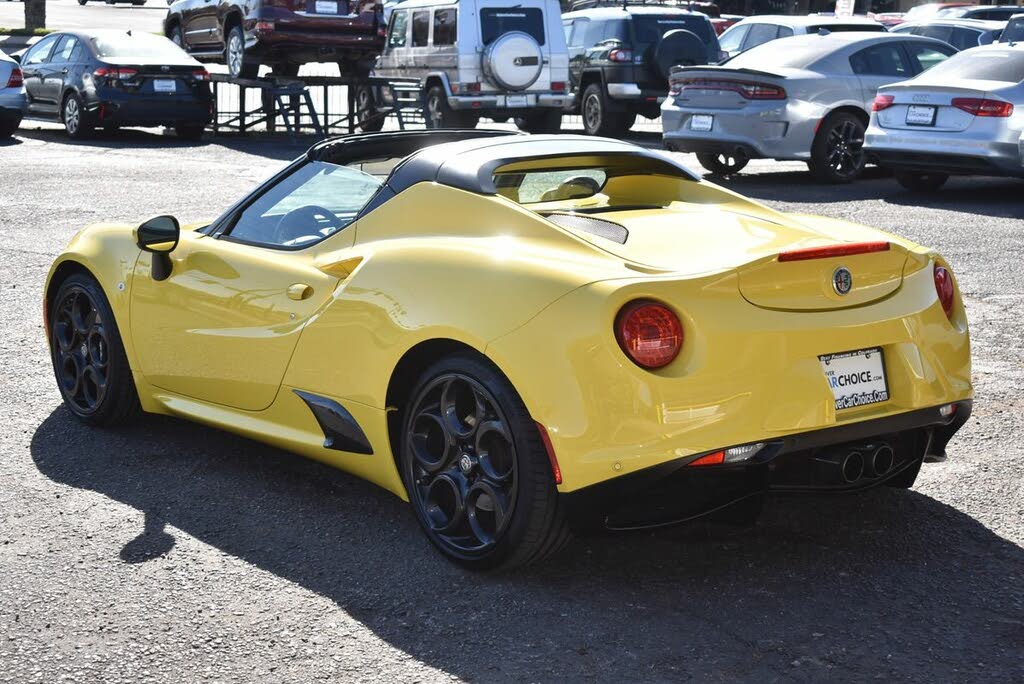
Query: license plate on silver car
[
  {"x": 702, "y": 122},
  {"x": 164, "y": 85},
  {"x": 856, "y": 378},
  {"x": 921, "y": 115}
]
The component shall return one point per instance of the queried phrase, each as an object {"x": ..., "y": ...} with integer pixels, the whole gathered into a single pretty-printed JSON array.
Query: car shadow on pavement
[
  {"x": 997, "y": 197},
  {"x": 881, "y": 585},
  {"x": 273, "y": 147}
]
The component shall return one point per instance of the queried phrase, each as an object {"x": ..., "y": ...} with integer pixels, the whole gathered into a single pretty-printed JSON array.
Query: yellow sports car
[{"x": 524, "y": 334}]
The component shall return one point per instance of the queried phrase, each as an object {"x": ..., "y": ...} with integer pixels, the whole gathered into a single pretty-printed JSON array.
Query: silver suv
[{"x": 495, "y": 58}]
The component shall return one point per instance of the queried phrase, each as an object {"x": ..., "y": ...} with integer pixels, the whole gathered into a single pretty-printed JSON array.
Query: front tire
[
  {"x": 723, "y": 164},
  {"x": 88, "y": 357},
  {"x": 837, "y": 153},
  {"x": 921, "y": 182},
  {"x": 476, "y": 470}
]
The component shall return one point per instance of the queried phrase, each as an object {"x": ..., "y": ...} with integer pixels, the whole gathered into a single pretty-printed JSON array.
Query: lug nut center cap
[{"x": 466, "y": 464}]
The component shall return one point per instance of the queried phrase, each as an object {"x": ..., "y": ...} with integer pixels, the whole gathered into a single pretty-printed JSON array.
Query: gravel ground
[{"x": 170, "y": 552}]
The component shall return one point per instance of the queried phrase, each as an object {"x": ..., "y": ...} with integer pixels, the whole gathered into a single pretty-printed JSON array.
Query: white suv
[{"x": 493, "y": 58}]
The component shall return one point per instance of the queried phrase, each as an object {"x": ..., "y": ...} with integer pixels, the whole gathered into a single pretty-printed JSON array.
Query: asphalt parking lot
[{"x": 170, "y": 552}]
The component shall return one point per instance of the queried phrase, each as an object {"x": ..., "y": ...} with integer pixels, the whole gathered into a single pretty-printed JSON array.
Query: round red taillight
[
  {"x": 944, "y": 288},
  {"x": 649, "y": 332}
]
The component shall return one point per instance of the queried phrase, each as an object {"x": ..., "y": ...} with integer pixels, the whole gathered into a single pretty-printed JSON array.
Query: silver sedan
[
  {"x": 12, "y": 96},
  {"x": 805, "y": 98},
  {"x": 965, "y": 117}
]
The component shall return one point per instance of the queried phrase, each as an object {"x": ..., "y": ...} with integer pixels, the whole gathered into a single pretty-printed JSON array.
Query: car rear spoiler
[{"x": 723, "y": 69}]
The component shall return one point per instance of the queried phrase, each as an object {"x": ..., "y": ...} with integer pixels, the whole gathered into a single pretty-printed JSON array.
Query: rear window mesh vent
[{"x": 586, "y": 224}]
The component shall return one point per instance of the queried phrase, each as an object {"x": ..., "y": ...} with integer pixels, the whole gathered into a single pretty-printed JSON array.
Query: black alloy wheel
[
  {"x": 837, "y": 154},
  {"x": 89, "y": 361},
  {"x": 476, "y": 470},
  {"x": 723, "y": 163}
]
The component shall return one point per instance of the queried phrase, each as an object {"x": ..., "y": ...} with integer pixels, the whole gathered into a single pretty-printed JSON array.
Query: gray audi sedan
[
  {"x": 805, "y": 98},
  {"x": 965, "y": 117}
]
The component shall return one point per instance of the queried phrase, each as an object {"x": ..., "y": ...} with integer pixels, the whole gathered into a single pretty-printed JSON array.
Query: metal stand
[{"x": 290, "y": 101}]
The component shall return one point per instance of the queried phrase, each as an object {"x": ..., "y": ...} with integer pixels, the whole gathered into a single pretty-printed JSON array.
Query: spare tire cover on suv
[
  {"x": 679, "y": 47},
  {"x": 513, "y": 61}
]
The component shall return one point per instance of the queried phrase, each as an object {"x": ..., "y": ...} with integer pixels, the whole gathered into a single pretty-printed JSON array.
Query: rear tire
[
  {"x": 89, "y": 361},
  {"x": 723, "y": 164},
  {"x": 597, "y": 120},
  {"x": 545, "y": 121},
  {"x": 370, "y": 120},
  {"x": 175, "y": 36},
  {"x": 921, "y": 182},
  {"x": 234, "y": 55},
  {"x": 8, "y": 128},
  {"x": 837, "y": 153},
  {"x": 189, "y": 131},
  {"x": 476, "y": 470},
  {"x": 438, "y": 114},
  {"x": 75, "y": 119}
]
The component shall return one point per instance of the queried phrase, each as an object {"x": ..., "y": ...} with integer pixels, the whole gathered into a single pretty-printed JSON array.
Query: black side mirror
[{"x": 159, "y": 235}]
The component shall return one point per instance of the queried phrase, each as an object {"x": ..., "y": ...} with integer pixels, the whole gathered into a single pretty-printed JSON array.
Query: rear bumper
[
  {"x": 10, "y": 116},
  {"x": 146, "y": 111},
  {"x": 12, "y": 101},
  {"x": 746, "y": 374},
  {"x": 490, "y": 102},
  {"x": 761, "y": 130},
  {"x": 301, "y": 38},
  {"x": 672, "y": 492},
  {"x": 952, "y": 153}
]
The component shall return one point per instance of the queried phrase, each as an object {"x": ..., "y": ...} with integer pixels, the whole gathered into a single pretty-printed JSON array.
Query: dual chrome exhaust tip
[{"x": 848, "y": 466}]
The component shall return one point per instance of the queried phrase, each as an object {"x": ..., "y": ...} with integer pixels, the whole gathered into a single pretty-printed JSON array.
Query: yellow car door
[{"x": 222, "y": 327}]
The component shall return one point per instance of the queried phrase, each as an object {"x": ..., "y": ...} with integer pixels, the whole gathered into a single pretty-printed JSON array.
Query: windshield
[
  {"x": 769, "y": 55},
  {"x": 649, "y": 28},
  {"x": 497, "y": 21},
  {"x": 983, "y": 65},
  {"x": 315, "y": 201},
  {"x": 1014, "y": 32},
  {"x": 138, "y": 46}
]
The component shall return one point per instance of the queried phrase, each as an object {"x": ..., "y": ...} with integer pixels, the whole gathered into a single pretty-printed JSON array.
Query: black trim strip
[{"x": 341, "y": 431}]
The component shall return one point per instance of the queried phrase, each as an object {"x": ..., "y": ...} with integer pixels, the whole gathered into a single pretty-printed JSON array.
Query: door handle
[{"x": 299, "y": 291}]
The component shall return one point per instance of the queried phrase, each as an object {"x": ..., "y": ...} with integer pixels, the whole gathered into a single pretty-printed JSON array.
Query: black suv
[{"x": 620, "y": 58}]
